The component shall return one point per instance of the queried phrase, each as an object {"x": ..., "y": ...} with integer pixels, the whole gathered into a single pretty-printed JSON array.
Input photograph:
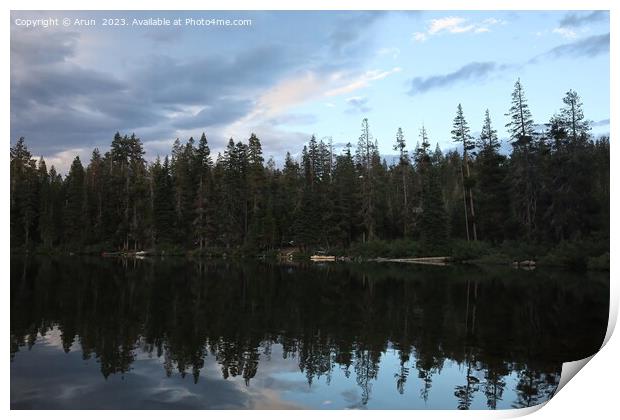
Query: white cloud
[
  {"x": 361, "y": 81},
  {"x": 456, "y": 25},
  {"x": 493, "y": 21},
  {"x": 419, "y": 36},
  {"x": 288, "y": 93},
  {"x": 450, "y": 24},
  {"x": 565, "y": 32},
  {"x": 292, "y": 92},
  {"x": 283, "y": 97},
  {"x": 62, "y": 160}
]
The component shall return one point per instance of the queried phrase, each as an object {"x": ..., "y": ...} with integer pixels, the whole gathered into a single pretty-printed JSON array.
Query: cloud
[
  {"x": 419, "y": 36},
  {"x": 600, "y": 123},
  {"x": 574, "y": 23},
  {"x": 84, "y": 388},
  {"x": 29, "y": 47},
  {"x": 449, "y": 24},
  {"x": 165, "y": 35},
  {"x": 55, "y": 83},
  {"x": 226, "y": 111},
  {"x": 576, "y": 20},
  {"x": 62, "y": 160},
  {"x": 565, "y": 32},
  {"x": 455, "y": 25},
  {"x": 470, "y": 72},
  {"x": 64, "y": 97},
  {"x": 351, "y": 30},
  {"x": 587, "y": 47},
  {"x": 477, "y": 71},
  {"x": 357, "y": 105},
  {"x": 360, "y": 81},
  {"x": 309, "y": 86}
]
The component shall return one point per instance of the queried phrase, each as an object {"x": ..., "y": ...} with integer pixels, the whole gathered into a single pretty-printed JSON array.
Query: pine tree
[
  {"x": 204, "y": 212},
  {"x": 163, "y": 202},
  {"x": 404, "y": 167},
  {"x": 256, "y": 192},
  {"x": 138, "y": 194},
  {"x": 572, "y": 117},
  {"x": 460, "y": 134},
  {"x": 521, "y": 128},
  {"x": 75, "y": 204},
  {"x": 95, "y": 197},
  {"x": 346, "y": 199},
  {"x": 23, "y": 195},
  {"x": 364, "y": 160},
  {"x": 288, "y": 199},
  {"x": 44, "y": 225},
  {"x": 520, "y": 122},
  {"x": 310, "y": 210},
  {"x": 433, "y": 219},
  {"x": 182, "y": 165},
  {"x": 492, "y": 198},
  {"x": 488, "y": 136},
  {"x": 57, "y": 201},
  {"x": 568, "y": 172}
]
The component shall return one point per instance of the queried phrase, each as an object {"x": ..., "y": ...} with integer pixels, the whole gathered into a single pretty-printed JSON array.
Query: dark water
[{"x": 112, "y": 333}]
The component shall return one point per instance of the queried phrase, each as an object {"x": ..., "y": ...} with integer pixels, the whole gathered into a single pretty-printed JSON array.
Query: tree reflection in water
[{"x": 493, "y": 323}]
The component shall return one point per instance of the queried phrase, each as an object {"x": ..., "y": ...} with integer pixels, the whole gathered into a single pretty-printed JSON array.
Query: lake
[{"x": 175, "y": 333}]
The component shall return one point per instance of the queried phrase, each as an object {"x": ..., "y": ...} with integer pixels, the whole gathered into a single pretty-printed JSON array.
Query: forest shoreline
[
  {"x": 576, "y": 255},
  {"x": 546, "y": 201}
]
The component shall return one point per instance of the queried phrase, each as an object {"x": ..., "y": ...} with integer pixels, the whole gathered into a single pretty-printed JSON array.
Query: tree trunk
[
  {"x": 471, "y": 202},
  {"x": 465, "y": 204}
]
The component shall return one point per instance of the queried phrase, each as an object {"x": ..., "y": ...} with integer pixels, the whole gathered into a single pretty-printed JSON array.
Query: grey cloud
[
  {"x": 600, "y": 123},
  {"x": 575, "y": 19},
  {"x": 351, "y": 30},
  {"x": 358, "y": 105},
  {"x": 469, "y": 72},
  {"x": 84, "y": 388},
  {"x": 222, "y": 113},
  {"x": 60, "y": 102},
  {"x": 165, "y": 80},
  {"x": 55, "y": 84},
  {"x": 164, "y": 35},
  {"x": 28, "y": 47},
  {"x": 587, "y": 47},
  {"x": 49, "y": 126},
  {"x": 63, "y": 105}
]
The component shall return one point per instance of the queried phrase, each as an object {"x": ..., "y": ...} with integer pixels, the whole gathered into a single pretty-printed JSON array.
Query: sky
[{"x": 289, "y": 75}]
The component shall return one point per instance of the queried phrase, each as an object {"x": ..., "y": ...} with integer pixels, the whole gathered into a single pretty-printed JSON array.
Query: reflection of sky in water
[{"x": 46, "y": 377}]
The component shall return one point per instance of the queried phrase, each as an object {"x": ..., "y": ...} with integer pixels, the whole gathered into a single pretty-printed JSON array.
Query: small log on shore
[
  {"x": 420, "y": 260},
  {"x": 322, "y": 258}
]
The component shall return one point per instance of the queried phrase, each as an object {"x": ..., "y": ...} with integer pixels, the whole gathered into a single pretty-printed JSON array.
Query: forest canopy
[{"x": 553, "y": 187}]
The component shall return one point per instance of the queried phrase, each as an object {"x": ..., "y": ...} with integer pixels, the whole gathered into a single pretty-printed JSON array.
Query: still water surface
[{"x": 110, "y": 333}]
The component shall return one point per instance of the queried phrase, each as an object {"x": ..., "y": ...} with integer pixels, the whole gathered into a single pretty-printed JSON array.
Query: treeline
[{"x": 552, "y": 187}]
